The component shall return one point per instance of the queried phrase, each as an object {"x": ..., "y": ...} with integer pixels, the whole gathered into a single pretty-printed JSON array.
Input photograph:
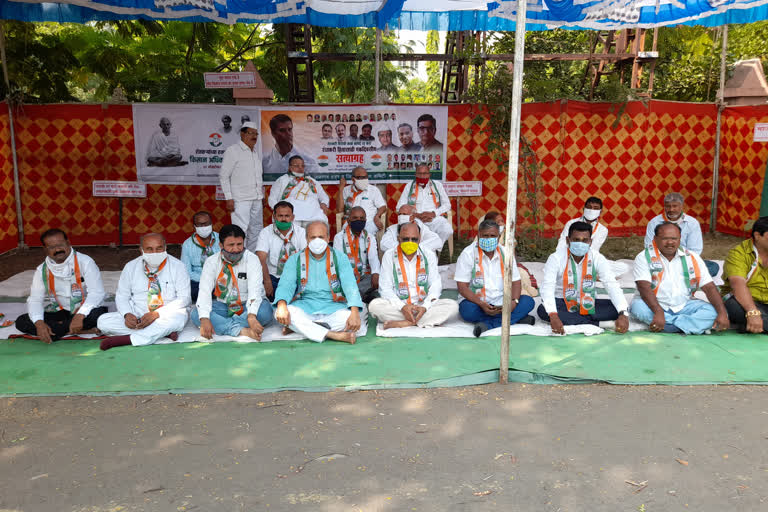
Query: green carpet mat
[{"x": 79, "y": 367}]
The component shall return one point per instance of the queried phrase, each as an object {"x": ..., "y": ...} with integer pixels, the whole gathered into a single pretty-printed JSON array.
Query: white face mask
[
  {"x": 403, "y": 219},
  {"x": 591, "y": 215},
  {"x": 204, "y": 231},
  {"x": 154, "y": 259},
  {"x": 361, "y": 184},
  {"x": 63, "y": 269},
  {"x": 318, "y": 246}
]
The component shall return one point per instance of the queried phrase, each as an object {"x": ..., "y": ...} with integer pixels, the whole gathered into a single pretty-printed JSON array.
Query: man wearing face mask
[
  {"x": 317, "y": 295},
  {"x": 568, "y": 291},
  {"x": 667, "y": 276},
  {"x": 690, "y": 229},
  {"x": 480, "y": 280},
  {"x": 66, "y": 294},
  {"x": 361, "y": 193},
  {"x": 196, "y": 249},
  {"x": 241, "y": 181},
  {"x": 309, "y": 200},
  {"x": 410, "y": 286},
  {"x": 234, "y": 278},
  {"x": 430, "y": 200},
  {"x": 361, "y": 249},
  {"x": 406, "y": 214},
  {"x": 276, "y": 243},
  {"x": 152, "y": 298}
]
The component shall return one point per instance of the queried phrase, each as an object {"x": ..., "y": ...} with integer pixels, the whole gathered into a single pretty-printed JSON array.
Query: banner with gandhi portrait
[
  {"x": 388, "y": 140},
  {"x": 184, "y": 144}
]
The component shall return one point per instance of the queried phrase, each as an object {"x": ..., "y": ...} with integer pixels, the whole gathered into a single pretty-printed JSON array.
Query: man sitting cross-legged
[
  {"x": 666, "y": 278},
  {"x": 568, "y": 289},
  {"x": 480, "y": 280},
  {"x": 234, "y": 278},
  {"x": 317, "y": 295},
  {"x": 152, "y": 298},
  {"x": 410, "y": 286}
]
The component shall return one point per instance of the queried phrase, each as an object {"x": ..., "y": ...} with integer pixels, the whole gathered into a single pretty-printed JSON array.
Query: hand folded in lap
[
  {"x": 44, "y": 332},
  {"x": 255, "y": 326},
  {"x": 722, "y": 323},
  {"x": 147, "y": 319},
  {"x": 426, "y": 216},
  {"x": 490, "y": 310},
  {"x": 206, "y": 328},
  {"x": 131, "y": 321},
  {"x": 353, "y": 322},
  {"x": 418, "y": 313},
  {"x": 76, "y": 325}
]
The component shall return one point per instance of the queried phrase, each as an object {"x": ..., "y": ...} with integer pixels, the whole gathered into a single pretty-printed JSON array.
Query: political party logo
[
  {"x": 214, "y": 140},
  {"x": 376, "y": 159},
  {"x": 322, "y": 160}
]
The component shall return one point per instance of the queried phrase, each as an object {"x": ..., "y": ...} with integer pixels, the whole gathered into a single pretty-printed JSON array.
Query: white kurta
[
  {"x": 306, "y": 203},
  {"x": 240, "y": 175},
  {"x": 429, "y": 239},
  {"x": 250, "y": 283},
  {"x": 425, "y": 202},
  {"x": 163, "y": 146},
  {"x": 599, "y": 235},
  {"x": 372, "y": 254},
  {"x": 493, "y": 276},
  {"x": 270, "y": 244},
  {"x": 673, "y": 293},
  {"x": 552, "y": 284},
  {"x": 131, "y": 297},
  {"x": 92, "y": 284},
  {"x": 369, "y": 200}
]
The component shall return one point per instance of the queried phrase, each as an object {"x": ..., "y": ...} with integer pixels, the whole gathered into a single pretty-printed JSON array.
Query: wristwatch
[
  {"x": 624, "y": 312},
  {"x": 517, "y": 301}
]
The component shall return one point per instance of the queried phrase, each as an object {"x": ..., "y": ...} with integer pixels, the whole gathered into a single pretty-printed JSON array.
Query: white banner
[
  {"x": 107, "y": 188},
  {"x": 388, "y": 140},
  {"x": 184, "y": 144}
]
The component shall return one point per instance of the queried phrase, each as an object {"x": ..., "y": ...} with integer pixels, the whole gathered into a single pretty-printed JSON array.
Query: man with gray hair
[
  {"x": 690, "y": 229},
  {"x": 152, "y": 298}
]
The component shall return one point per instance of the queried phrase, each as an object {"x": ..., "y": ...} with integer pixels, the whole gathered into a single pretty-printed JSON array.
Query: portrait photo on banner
[
  {"x": 390, "y": 141},
  {"x": 185, "y": 144}
]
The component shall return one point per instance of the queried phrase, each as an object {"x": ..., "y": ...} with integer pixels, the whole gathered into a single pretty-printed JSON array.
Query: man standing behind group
[
  {"x": 66, "y": 293},
  {"x": 361, "y": 193},
  {"x": 241, "y": 181},
  {"x": 430, "y": 200},
  {"x": 195, "y": 249}
]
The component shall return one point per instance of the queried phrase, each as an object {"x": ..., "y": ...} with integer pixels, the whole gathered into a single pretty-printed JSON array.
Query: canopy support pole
[
  {"x": 16, "y": 189},
  {"x": 720, "y": 106},
  {"x": 514, "y": 164},
  {"x": 377, "y": 65}
]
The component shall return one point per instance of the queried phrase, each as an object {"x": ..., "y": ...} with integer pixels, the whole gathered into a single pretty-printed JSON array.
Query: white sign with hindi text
[
  {"x": 230, "y": 80},
  {"x": 761, "y": 132},
  {"x": 106, "y": 188},
  {"x": 463, "y": 188}
]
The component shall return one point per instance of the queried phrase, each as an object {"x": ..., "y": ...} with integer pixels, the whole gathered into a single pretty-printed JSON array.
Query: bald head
[{"x": 152, "y": 242}]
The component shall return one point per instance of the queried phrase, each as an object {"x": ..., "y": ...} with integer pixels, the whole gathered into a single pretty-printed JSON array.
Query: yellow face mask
[{"x": 409, "y": 247}]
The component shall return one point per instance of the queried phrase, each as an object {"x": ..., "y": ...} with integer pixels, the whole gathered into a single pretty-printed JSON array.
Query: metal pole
[
  {"x": 514, "y": 164},
  {"x": 16, "y": 189},
  {"x": 720, "y": 106},
  {"x": 120, "y": 221},
  {"x": 377, "y": 63}
]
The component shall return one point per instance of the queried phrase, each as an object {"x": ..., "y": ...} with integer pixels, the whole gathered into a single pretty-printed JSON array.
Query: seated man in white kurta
[
  {"x": 152, "y": 298},
  {"x": 164, "y": 149},
  {"x": 363, "y": 194},
  {"x": 276, "y": 243},
  {"x": 309, "y": 200},
  {"x": 410, "y": 286},
  {"x": 362, "y": 251},
  {"x": 233, "y": 278},
  {"x": 429, "y": 239},
  {"x": 66, "y": 295},
  {"x": 431, "y": 202},
  {"x": 317, "y": 295}
]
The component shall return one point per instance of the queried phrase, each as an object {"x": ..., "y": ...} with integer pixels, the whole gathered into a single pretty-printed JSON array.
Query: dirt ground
[
  {"x": 516, "y": 447},
  {"x": 715, "y": 247}
]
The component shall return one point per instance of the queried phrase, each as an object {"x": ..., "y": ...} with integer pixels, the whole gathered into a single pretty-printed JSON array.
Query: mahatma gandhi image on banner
[{"x": 164, "y": 149}]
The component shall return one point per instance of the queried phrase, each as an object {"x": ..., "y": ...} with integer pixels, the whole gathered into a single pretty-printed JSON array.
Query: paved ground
[{"x": 519, "y": 447}]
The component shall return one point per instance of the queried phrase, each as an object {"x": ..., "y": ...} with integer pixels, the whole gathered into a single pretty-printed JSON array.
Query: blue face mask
[
  {"x": 579, "y": 248},
  {"x": 488, "y": 244}
]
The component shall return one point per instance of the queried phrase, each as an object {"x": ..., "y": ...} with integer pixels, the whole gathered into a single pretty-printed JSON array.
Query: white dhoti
[
  {"x": 249, "y": 215},
  {"x": 441, "y": 227},
  {"x": 307, "y": 324},
  {"x": 113, "y": 324},
  {"x": 437, "y": 314}
]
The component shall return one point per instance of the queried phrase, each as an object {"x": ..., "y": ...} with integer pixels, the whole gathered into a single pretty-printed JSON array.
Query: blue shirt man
[{"x": 196, "y": 249}]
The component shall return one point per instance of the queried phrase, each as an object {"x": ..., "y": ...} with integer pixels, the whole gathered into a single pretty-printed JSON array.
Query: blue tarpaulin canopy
[{"x": 403, "y": 14}]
